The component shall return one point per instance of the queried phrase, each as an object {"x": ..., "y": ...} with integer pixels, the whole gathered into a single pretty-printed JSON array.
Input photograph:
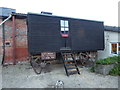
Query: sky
[{"x": 99, "y": 10}]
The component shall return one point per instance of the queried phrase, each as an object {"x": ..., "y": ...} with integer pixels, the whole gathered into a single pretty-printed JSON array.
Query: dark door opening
[{"x": 65, "y": 34}]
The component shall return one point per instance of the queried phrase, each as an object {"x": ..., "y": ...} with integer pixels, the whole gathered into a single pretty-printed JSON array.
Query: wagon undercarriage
[{"x": 69, "y": 59}]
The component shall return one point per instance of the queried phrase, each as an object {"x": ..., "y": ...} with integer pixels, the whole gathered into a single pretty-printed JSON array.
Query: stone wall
[{"x": 110, "y": 36}]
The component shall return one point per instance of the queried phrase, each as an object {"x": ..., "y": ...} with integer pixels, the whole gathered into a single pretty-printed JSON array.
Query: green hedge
[
  {"x": 109, "y": 60},
  {"x": 115, "y": 70}
]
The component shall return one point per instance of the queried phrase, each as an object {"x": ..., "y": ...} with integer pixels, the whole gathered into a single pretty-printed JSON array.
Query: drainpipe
[
  {"x": 6, "y": 19},
  {"x": 13, "y": 39},
  {"x": 3, "y": 40},
  {"x": 3, "y": 30}
]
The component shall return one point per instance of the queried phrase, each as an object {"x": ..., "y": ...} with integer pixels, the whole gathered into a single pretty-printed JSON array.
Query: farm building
[{"x": 112, "y": 42}]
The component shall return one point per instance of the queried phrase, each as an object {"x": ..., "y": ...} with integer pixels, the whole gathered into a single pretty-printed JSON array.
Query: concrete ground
[
  {"x": 23, "y": 76},
  {"x": 0, "y": 77},
  {"x": 0, "y": 72}
]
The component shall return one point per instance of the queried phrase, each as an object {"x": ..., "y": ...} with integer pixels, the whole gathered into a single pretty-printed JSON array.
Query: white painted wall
[{"x": 110, "y": 37}]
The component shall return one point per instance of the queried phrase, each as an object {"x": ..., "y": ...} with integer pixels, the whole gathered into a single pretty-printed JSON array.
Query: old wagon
[{"x": 49, "y": 34}]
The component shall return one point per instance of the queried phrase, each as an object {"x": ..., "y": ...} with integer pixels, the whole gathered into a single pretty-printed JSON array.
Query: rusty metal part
[{"x": 85, "y": 57}]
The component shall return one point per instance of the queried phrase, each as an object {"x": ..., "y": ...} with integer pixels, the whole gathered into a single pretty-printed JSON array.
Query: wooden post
[{"x": 13, "y": 39}]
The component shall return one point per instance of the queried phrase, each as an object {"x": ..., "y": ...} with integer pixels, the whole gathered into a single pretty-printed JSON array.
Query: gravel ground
[{"x": 23, "y": 76}]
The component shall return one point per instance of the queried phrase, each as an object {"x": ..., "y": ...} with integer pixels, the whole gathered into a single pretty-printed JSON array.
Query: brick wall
[{"x": 21, "y": 49}]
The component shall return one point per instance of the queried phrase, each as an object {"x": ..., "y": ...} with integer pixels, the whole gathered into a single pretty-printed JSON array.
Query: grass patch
[
  {"x": 92, "y": 69},
  {"x": 110, "y": 60},
  {"x": 115, "y": 70}
]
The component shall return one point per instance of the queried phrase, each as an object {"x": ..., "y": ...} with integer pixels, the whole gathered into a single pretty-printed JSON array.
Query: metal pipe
[
  {"x": 6, "y": 19},
  {"x": 13, "y": 39},
  {"x": 3, "y": 40},
  {"x": 3, "y": 29}
]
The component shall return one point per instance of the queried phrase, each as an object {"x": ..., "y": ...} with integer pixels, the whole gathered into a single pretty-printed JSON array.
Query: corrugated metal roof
[
  {"x": 5, "y": 12},
  {"x": 112, "y": 28}
]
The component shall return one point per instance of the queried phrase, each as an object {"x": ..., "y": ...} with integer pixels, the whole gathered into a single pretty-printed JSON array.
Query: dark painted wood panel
[{"x": 44, "y": 34}]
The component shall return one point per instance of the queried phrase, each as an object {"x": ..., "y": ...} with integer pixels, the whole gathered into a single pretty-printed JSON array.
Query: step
[
  {"x": 72, "y": 72},
  {"x": 67, "y": 57},
  {"x": 70, "y": 64},
  {"x": 73, "y": 67},
  {"x": 68, "y": 60}
]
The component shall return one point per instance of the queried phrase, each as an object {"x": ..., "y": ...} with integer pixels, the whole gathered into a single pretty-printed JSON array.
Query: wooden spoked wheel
[{"x": 37, "y": 64}]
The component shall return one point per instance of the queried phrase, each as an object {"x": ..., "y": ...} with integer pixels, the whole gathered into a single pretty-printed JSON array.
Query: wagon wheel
[
  {"x": 35, "y": 63},
  {"x": 84, "y": 57}
]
